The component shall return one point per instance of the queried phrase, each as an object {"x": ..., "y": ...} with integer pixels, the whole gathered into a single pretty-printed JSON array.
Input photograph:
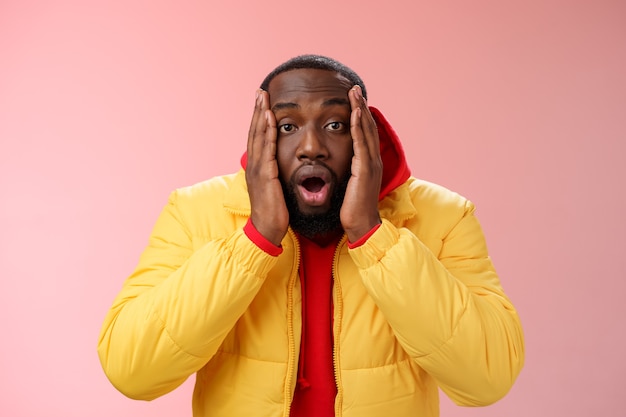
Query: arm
[
  {"x": 177, "y": 307},
  {"x": 449, "y": 311}
]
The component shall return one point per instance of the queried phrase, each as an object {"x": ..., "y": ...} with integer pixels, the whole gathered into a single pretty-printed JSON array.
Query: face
[{"x": 314, "y": 147}]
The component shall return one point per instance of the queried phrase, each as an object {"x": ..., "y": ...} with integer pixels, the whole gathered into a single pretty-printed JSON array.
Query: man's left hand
[{"x": 359, "y": 212}]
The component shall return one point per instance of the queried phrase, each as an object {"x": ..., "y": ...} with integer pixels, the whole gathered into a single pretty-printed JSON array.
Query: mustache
[{"x": 312, "y": 225}]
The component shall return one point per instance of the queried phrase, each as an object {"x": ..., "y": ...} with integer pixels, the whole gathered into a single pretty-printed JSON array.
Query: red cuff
[
  {"x": 363, "y": 239},
  {"x": 260, "y": 240}
]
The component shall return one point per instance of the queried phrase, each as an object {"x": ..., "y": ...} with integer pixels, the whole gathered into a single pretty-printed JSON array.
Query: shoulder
[
  {"x": 211, "y": 195},
  {"x": 211, "y": 208},
  {"x": 221, "y": 191},
  {"x": 207, "y": 189},
  {"x": 428, "y": 196},
  {"x": 428, "y": 209},
  {"x": 424, "y": 198}
]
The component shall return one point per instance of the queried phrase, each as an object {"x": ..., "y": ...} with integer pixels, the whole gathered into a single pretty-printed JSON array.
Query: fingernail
[{"x": 258, "y": 97}]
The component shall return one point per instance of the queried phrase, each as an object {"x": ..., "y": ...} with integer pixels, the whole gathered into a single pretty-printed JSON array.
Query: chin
[
  {"x": 307, "y": 210},
  {"x": 313, "y": 221}
]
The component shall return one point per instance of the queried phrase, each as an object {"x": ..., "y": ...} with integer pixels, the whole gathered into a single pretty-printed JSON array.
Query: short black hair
[{"x": 311, "y": 61}]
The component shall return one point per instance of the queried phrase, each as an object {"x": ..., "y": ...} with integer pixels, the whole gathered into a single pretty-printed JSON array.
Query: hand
[
  {"x": 269, "y": 213},
  {"x": 359, "y": 212}
]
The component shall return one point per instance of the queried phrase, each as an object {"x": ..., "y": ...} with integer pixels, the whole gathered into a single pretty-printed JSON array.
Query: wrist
[
  {"x": 270, "y": 233},
  {"x": 361, "y": 241},
  {"x": 261, "y": 241},
  {"x": 363, "y": 231}
]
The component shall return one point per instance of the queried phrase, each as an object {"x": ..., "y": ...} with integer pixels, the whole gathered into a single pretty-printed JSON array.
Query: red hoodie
[{"x": 316, "y": 389}]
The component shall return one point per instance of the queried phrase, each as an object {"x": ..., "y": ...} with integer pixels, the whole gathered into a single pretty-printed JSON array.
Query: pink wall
[{"x": 104, "y": 109}]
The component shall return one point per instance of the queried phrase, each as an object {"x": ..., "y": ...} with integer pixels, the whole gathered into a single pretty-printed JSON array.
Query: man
[{"x": 322, "y": 279}]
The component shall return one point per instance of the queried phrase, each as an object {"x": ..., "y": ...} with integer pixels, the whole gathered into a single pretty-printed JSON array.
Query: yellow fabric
[{"x": 418, "y": 306}]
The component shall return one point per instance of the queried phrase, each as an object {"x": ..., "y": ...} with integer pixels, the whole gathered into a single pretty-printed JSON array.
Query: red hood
[{"x": 395, "y": 169}]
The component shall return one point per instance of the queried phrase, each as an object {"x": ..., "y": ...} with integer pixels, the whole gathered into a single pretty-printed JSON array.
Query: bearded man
[{"x": 322, "y": 279}]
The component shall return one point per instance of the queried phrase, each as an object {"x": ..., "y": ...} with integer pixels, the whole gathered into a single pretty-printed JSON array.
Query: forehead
[{"x": 302, "y": 84}]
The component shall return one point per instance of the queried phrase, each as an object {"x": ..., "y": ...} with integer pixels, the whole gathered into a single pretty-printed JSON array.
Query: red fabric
[
  {"x": 259, "y": 240},
  {"x": 363, "y": 238},
  {"x": 316, "y": 388},
  {"x": 395, "y": 169}
]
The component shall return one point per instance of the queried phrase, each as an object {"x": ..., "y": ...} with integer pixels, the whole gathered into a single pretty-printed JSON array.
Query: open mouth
[
  {"x": 313, "y": 184},
  {"x": 314, "y": 191}
]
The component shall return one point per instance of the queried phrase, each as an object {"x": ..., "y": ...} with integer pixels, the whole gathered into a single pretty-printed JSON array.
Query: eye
[
  {"x": 286, "y": 128},
  {"x": 335, "y": 126}
]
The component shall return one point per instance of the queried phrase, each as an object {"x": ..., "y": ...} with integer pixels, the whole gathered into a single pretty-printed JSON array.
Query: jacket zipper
[
  {"x": 337, "y": 317},
  {"x": 291, "y": 360}
]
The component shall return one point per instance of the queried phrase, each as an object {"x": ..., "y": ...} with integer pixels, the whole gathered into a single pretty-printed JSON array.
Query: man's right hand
[{"x": 269, "y": 213}]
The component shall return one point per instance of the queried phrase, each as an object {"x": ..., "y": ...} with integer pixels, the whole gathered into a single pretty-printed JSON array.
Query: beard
[{"x": 316, "y": 225}]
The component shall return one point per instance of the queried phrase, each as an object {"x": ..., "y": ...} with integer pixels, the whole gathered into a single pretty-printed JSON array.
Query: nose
[{"x": 311, "y": 145}]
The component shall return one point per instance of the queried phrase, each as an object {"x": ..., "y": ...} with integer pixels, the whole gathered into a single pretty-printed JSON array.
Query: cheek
[
  {"x": 344, "y": 154},
  {"x": 284, "y": 159}
]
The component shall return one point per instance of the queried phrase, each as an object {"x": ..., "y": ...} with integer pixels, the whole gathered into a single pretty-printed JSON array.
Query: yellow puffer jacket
[{"x": 418, "y": 306}]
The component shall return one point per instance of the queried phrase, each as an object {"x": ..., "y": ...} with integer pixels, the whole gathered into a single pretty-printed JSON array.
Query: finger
[
  {"x": 368, "y": 125},
  {"x": 256, "y": 115},
  {"x": 359, "y": 141},
  {"x": 270, "y": 134},
  {"x": 263, "y": 129}
]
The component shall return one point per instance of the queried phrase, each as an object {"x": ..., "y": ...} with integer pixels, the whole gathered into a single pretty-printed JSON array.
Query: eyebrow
[
  {"x": 281, "y": 106},
  {"x": 327, "y": 103},
  {"x": 336, "y": 102}
]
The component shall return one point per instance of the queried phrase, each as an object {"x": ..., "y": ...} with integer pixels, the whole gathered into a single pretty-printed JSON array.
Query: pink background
[{"x": 104, "y": 109}]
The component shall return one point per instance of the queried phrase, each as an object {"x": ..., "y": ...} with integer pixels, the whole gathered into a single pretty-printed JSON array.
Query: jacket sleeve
[
  {"x": 177, "y": 307},
  {"x": 448, "y": 310}
]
